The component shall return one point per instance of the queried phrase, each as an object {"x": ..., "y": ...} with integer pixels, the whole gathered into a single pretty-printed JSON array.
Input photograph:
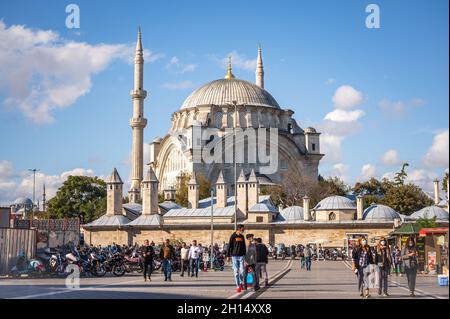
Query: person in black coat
[
  {"x": 362, "y": 258},
  {"x": 147, "y": 256},
  {"x": 262, "y": 258}
]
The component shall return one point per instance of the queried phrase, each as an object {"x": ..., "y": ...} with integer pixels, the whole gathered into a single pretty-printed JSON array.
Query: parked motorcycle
[{"x": 31, "y": 268}]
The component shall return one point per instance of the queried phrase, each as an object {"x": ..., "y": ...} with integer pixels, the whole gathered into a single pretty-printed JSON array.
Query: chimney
[
  {"x": 193, "y": 191},
  {"x": 359, "y": 207},
  {"x": 306, "y": 213},
  {"x": 221, "y": 192},
  {"x": 252, "y": 189},
  {"x": 149, "y": 188},
  {"x": 169, "y": 194},
  {"x": 436, "y": 192}
]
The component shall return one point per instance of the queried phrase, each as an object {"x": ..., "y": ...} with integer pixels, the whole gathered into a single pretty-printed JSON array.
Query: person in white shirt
[
  {"x": 194, "y": 258},
  {"x": 184, "y": 258}
]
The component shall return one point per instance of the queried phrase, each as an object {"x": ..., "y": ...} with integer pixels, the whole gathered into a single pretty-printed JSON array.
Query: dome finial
[{"x": 229, "y": 75}]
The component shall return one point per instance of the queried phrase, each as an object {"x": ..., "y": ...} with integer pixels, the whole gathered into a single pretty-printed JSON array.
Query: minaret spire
[
  {"x": 137, "y": 123},
  {"x": 259, "y": 69}
]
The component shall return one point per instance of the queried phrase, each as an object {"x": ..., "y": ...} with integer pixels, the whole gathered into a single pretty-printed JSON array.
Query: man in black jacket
[
  {"x": 237, "y": 250},
  {"x": 262, "y": 258},
  {"x": 147, "y": 255}
]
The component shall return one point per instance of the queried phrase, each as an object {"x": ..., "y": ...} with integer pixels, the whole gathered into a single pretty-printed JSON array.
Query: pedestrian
[
  {"x": 410, "y": 262},
  {"x": 147, "y": 254},
  {"x": 167, "y": 255},
  {"x": 307, "y": 252},
  {"x": 250, "y": 263},
  {"x": 184, "y": 258},
  {"x": 262, "y": 259},
  {"x": 205, "y": 258},
  {"x": 384, "y": 260},
  {"x": 194, "y": 258},
  {"x": 397, "y": 260},
  {"x": 236, "y": 250},
  {"x": 362, "y": 259}
]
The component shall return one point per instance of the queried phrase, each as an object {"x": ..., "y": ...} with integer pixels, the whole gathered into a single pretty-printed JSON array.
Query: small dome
[
  {"x": 310, "y": 130},
  {"x": 224, "y": 91},
  {"x": 292, "y": 213},
  {"x": 335, "y": 203},
  {"x": 377, "y": 212},
  {"x": 23, "y": 201},
  {"x": 430, "y": 212}
]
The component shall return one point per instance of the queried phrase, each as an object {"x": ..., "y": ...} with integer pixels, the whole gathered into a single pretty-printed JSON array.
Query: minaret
[
  {"x": 43, "y": 199},
  {"x": 137, "y": 123},
  {"x": 259, "y": 69}
]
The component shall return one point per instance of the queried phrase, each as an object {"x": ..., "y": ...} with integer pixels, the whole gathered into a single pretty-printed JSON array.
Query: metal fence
[{"x": 12, "y": 241}]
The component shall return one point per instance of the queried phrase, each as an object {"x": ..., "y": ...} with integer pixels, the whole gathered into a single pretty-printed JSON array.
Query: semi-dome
[
  {"x": 378, "y": 212},
  {"x": 292, "y": 213},
  {"x": 335, "y": 203},
  {"x": 224, "y": 91},
  {"x": 431, "y": 212}
]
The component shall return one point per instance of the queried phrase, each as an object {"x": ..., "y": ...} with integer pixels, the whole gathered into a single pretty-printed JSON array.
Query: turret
[
  {"x": 114, "y": 194},
  {"x": 150, "y": 193},
  {"x": 312, "y": 141},
  {"x": 306, "y": 212},
  {"x": 221, "y": 191},
  {"x": 252, "y": 189},
  {"x": 193, "y": 191},
  {"x": 242, "y": 199}
]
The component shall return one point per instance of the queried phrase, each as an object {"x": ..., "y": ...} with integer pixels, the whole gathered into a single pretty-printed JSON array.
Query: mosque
[{"x": 221, "y": 105}]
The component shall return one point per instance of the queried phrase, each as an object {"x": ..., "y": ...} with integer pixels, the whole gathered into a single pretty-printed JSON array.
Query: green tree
[
  {"x": 444, "y": 182},
  {"x": 406, "y": 198},
  {"x": 427, "y": 222},
  {"x": 79, "y": 196},
  {"x": 400, "y": 177},
  {"x": 373, "y": 190}
]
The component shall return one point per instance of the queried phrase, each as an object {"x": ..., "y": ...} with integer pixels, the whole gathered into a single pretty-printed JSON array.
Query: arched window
[{"x": 332, "y": 216}]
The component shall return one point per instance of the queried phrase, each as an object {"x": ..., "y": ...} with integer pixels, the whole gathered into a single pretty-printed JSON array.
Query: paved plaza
[{"x": 328, "y": 279}]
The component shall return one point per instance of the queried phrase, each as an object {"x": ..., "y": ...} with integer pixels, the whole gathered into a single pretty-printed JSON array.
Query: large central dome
[{"x": 224, "y": 91}]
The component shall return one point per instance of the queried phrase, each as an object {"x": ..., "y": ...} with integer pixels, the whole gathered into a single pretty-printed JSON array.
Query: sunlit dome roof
[
  {"x": 292, "y": 213},
  {"x": 224, "y": 91},
  {"x": 430, "y": 212},
  {"x": 335, "y": 203},
  {"x": 377, "y": 212}
]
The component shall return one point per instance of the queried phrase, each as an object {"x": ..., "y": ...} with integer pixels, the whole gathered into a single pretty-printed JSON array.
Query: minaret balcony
[
  {"x": 138, "y": 94},
  {"x": 138, "y": 122}
]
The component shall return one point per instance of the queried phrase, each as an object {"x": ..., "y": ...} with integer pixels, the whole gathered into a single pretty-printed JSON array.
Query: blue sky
[{"x": 310, "y": 50}]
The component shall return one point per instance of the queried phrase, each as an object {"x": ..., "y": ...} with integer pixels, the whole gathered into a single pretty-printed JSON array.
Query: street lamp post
[
  {"x": 212, "y": 229},
  {"x": 34, "y": 170}
]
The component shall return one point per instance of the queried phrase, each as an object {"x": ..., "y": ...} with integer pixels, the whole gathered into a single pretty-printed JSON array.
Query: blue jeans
[
  {"x": 308, "y": 263},
  {"x": 238, "y": 269},
  {"x": 167, "y": 265},
  {"x": 193, "y": 266}
]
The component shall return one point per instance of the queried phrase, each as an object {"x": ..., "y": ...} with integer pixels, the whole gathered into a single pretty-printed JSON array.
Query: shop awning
[
  {"x": 433, "y": 231},
  {"x": 407, "y": 229}
]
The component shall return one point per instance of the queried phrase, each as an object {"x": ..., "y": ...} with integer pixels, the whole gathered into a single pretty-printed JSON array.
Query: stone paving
[{"x": 327, "y": 280}]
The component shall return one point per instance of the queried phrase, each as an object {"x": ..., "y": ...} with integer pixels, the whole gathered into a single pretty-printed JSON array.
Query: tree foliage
[
  {"x": 406, "y": 199},
  {"x": 400, "y": 177},
  {"x": 444, "y": 182},
  {"x": 79, "y": 196},
  {"x": 427, "y": 222},
  {"x": 181, "y": 195}
]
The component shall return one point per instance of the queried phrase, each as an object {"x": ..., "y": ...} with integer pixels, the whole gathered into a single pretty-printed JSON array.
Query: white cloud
[
  {"x": 20, "y": 184},
  {"x": 437, "y": 155},
  {"x": 347, "y": 97},
  {"x": 367, "y": 172},
  {"x": 175, "y": 64},
  {"x": 6, "y": 170},
  {"x": 399, "y": 107},
  {"x": 42, "y": 72},
  {"x": 340, "y": 123},
  {"x": 239, "y": 61},
  {"x": 339, "y": 115},
  {"x": 422, "y": 178},
  {"x": 338, "y": 170},
  {"x": 391, "y": 158},
  {"x": 330, "y": 81},
  {"x": 178, "y": 85}
]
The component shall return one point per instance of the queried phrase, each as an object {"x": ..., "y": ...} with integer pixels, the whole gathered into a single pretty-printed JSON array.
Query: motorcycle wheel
[
  {"x": 118, "y": 271},
  {"x": 100, "y": 271}
]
